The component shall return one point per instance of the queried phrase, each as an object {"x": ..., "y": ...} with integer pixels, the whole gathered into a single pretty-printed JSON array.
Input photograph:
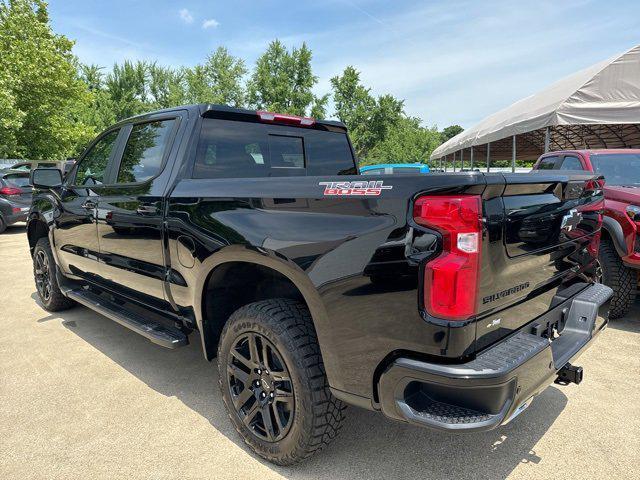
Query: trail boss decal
[
  {"x": 505, "y": 293},
  {"x": 355, "y": 189}
]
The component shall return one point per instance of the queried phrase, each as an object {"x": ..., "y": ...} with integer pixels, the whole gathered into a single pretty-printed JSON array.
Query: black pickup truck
[{"x": 443, "y": 300}]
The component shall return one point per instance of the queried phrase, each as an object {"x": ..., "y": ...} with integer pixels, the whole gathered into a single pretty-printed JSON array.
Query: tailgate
[{"x": 543, "y": 233}]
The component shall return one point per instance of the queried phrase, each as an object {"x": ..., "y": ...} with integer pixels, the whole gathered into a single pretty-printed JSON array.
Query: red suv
[{"x": 620, "y": 245}]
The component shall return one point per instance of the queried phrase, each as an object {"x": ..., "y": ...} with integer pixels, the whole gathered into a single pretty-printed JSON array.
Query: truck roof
[
  {"x": 211, "y": 109},
  {"x": 596, "y": 150}
]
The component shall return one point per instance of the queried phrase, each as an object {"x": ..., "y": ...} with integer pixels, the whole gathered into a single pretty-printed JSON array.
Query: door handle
[
  {"x": 147, "y": 209},
  {"x": 89, "y": 205}
]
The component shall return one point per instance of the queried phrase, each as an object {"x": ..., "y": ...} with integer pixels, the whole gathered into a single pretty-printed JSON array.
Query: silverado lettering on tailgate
[{"x": 505, "y": 293}]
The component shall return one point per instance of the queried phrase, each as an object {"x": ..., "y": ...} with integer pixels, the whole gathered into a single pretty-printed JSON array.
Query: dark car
[
  {"x": 28, "y": 165},
  {"x": 448, "y": 301},
  {"x": 620, "y": 246},
  {"x": 15, "y": 197}
]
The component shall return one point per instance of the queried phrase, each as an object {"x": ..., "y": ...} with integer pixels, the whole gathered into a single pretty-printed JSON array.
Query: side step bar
[{"x": 164, "y": 336}]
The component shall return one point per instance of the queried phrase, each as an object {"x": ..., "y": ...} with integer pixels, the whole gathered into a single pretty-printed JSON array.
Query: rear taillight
[
  {"x": 284, "y": 118},
  {"x": 10, "y": 191},
  {"x": 451, "y": 279}
]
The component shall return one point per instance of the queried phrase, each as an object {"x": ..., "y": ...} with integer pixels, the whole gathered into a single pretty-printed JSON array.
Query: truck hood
[{"x": 622, "y": 194}]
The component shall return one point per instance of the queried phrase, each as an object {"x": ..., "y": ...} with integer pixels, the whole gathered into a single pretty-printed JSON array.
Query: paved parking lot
[{"x": 82, "y": 397}]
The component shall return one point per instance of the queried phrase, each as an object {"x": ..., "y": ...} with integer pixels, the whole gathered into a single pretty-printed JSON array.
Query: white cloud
[
  {"x": 185, "y": 16},
  {"x": 210, "y": 23}
]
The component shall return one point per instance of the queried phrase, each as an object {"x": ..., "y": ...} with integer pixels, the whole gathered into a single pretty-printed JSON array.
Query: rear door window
[
  {"x": 571, "y": 162},
  {"x": 374, "y": 171},
  {"x": 548, "y": 163}
]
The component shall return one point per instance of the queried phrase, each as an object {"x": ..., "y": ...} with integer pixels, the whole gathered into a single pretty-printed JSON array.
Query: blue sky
[{"x": 452, "y": 61}]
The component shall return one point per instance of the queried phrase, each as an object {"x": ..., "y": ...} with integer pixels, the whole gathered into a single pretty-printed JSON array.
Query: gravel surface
[{"x": 82, "y": 397}]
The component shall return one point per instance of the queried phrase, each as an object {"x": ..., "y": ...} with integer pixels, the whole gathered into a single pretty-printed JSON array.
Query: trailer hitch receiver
[{"x": 569, "y": 374}]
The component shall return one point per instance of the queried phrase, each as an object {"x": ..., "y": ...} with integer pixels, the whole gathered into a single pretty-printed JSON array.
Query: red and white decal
[{"x": 355, "y": 189}]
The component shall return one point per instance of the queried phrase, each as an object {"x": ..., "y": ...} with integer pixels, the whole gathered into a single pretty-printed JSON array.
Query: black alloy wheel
[
  {"x": 42, "y": 273},
  {"x": 260, "y": 387},
  {"x": 273, "y": 382}
]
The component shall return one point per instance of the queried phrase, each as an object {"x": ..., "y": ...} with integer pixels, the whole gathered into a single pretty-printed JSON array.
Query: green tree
[
  {"x": 406, "y": 142},
  {"x": 126, "y": 86},
  {"x": 450, "y": 132},
  {"x": 99, "y": 111},
  {"x": 282, "y": 81},
  {"x": 41, "y": 94},
  {"x": 368, "y": 119},
  {"x": 166, "y": 87},
  {"x": 218, "y": 80}
]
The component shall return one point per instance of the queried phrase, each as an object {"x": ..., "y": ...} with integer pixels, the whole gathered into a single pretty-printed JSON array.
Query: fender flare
[
  {"x": 265, "y": 258},
  {"x": 614, "y": 229}
]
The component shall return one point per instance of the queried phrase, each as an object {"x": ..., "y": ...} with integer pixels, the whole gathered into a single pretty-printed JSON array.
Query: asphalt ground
[{"x": 83, "y": 397}]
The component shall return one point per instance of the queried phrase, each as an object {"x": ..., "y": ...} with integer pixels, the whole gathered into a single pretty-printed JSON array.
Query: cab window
[
  {"x": 547, "y": 163},
  {"x": 571, "y": 163},
  {"x": 145, "y": 150},
  {"x": 92, "y": 167}
]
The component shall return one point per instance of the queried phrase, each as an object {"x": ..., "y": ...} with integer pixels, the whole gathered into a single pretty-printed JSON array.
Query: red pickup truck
[{"x": 620, "y": 245}]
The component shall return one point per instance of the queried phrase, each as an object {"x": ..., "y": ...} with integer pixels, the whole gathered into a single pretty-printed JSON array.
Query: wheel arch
[
  {"x": 263, "y": 274},
  {"x": 613, "y": 230},
  {"x": 37, "y": 228}
]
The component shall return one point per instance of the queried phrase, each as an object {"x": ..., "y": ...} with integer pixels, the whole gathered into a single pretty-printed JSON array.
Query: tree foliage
[
  {"x": 282, "y": 81},
  {"x": 51, "y": 104},
  {"x": 450, "y": 132},
  {"x": 41, "y": 94},
  {"x": 218, "y": 80},
  {"x": 380, "y": 130}
]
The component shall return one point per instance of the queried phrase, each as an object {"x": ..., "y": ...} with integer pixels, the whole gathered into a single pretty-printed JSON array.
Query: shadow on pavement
[
  {"x": 19, "y": 228},
  {"x": 369, "y": 446}
]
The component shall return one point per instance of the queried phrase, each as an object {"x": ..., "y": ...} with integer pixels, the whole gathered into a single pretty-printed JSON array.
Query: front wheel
[
  {"x": 622, "y": 279},
  {"x": 46, "y": 282},
  {"x": 273, "y": 382}
]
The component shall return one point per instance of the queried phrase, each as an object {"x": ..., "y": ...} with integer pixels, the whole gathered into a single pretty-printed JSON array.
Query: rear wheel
[
  {"x": 3, "y": 225},
  {"x": 273, "y": 381},
  {"x": 623, "y": 280},
  {"x": 46, "y": 282}
]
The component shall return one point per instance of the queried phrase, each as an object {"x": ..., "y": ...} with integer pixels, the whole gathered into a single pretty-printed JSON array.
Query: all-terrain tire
[
  {"x": 317, "y": 415},
  {"x": 44, "y": 270},
  {"x": 623, "y": 280}
]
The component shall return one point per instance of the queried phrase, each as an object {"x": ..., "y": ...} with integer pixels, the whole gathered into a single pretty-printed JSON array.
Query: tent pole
[
  {"x": 513, "y": 155},
  {"x": 462, "y": 159},
  {"x": 547, "y": 139},
  {"x": 488, "y": 156},
  {"x": 454, "y": 161},
  {"x": 472, "y": 158}
]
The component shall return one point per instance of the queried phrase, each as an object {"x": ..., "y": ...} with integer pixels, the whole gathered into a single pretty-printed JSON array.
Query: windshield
[{"x": 621, "y": 169}]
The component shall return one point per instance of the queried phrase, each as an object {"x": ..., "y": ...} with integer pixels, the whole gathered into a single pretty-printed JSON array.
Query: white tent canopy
[{"x": 604, "y": 94}]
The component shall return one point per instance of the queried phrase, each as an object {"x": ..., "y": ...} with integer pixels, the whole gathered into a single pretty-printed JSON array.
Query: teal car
[{"x": 397, "y": 168}]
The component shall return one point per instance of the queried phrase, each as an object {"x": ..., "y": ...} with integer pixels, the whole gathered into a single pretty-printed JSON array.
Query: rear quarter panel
[{"x": 348, "y": 255}]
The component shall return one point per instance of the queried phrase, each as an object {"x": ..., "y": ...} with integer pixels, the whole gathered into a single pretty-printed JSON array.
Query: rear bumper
[
  {"x": 18, "y": 217},
  {"x": 500, "y": 382}
]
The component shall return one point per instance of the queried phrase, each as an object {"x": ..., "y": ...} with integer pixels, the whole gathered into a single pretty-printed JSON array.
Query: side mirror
[{"x": 45, "y": 178}]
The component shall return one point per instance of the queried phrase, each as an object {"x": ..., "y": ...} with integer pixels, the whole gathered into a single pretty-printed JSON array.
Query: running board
[{"x": 159, "y": 334}]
